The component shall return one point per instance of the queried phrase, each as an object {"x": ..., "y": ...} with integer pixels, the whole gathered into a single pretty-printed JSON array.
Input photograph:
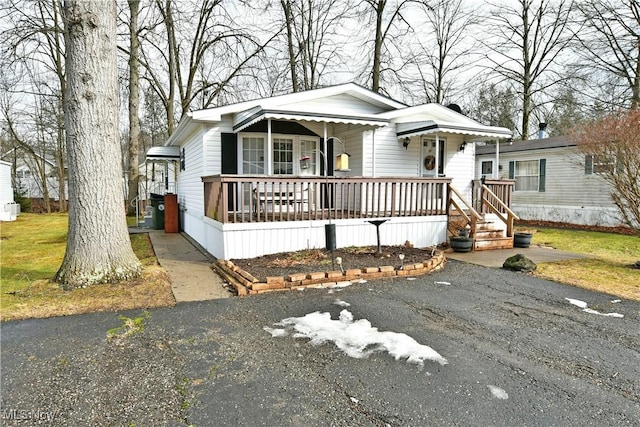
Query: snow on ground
[
  {"x": 498, "y": 392},
  {"x": 341, "y": 303},
  {"x": 357, "y": 338},
  {"x": 584, "y": 306}
]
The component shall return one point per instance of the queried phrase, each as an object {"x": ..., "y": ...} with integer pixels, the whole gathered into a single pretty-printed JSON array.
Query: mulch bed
[{"x": 313, "y": 260}]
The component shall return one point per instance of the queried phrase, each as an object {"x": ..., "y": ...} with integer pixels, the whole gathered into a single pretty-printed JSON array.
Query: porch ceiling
[
  {"x": 478, "y": 133},
  {"x": 247, "y": 118}
]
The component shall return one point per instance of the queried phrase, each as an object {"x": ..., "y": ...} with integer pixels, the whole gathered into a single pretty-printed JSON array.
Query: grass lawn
[
  {"x": 608, "y": 267},
  {"x": 32, "y": 249}
]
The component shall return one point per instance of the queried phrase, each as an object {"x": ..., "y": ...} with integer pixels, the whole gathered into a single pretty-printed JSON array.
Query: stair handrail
[
  {"x": 511, "y": 216},
  {"x": 475, "y": 216}
]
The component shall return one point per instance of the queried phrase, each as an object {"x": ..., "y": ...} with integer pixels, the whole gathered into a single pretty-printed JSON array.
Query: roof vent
[
  {"x": 542, "y": 131},
  {"x": 455, "y": 107}
]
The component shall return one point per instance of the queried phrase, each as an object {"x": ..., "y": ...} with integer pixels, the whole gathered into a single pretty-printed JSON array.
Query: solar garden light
[
  {"x": 401, "y": 256},
  {"x": 339, "y": 262}
]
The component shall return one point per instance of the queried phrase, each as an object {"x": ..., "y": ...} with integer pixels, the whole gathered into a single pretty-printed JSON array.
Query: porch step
[
  {"x": 488, "y": 234},
  {"x": 486, "y": 244}
]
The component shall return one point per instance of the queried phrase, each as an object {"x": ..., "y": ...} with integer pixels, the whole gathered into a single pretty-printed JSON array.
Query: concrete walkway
[
  {"x": 188, "y": 267},
  {"x": 496, "y": 258}
]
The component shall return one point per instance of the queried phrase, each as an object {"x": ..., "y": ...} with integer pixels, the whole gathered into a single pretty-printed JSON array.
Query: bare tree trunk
[
  {"x": 377, "y": 47},
  {"x": 98, "y": 245},
  {"x": 288, "y": 17},
  {"x": 134, "y": 108}
]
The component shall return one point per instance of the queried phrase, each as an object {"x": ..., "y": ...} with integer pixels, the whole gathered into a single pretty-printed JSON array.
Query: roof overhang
[
  {"x": 168, "y": 153},
  {"x": 478, "y": 133},
  {"x": 247, "y": 118}
]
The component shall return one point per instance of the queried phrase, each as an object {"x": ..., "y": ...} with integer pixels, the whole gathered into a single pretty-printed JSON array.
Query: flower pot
[
  {"x": 461, "y": 244},
  {"x": 522, "y": 240}
]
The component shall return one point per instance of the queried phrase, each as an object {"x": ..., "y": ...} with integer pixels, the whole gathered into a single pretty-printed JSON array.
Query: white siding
[
  {"x": 459, "y": 165},
  {"x": 338, "y": 104},
  {"x": 230, "y": 241},
  {"x": 190, "y": 186}
]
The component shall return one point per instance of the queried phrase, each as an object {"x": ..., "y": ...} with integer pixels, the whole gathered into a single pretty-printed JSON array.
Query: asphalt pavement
[{"x": 520, "y": 351}]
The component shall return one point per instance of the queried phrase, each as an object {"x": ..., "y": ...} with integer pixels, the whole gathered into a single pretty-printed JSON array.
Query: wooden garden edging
[{"x": 246, "y": 284}]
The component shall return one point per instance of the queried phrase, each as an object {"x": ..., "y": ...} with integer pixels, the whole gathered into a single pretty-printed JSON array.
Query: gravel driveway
[{"x": 518, "y": 351}]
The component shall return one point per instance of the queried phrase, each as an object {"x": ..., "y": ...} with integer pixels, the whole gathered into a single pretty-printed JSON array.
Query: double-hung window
[
  {"x": 528, "y": 174},
  {"x": 287, "y": 152}
]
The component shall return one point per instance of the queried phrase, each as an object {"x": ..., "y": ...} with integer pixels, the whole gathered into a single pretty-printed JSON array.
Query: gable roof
[
  {"x": 333, "y": 104},
  {"x": 528, "y": 145}
]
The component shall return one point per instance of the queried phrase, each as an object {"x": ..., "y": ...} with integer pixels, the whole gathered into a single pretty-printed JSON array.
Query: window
[
  {"x": 599, "y": 164},
  {"x": 282, "y": 156},
  {"x": 528, "y": 174},
  {"x": 253, "y": 155},
  {"x": 487, "y": 168}
]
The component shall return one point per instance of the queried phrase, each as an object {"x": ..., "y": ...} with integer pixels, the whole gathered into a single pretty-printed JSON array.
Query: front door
[{"x": 429, "y": 160}]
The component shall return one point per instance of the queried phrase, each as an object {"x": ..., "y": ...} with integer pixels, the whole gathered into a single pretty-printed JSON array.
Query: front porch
[{"x": 251, "y": 215}]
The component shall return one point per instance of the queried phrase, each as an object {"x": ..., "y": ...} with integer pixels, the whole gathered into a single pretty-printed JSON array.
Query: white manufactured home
[
  {"x": 269, "y": 175},
  {"x": 553, "y": 181}
]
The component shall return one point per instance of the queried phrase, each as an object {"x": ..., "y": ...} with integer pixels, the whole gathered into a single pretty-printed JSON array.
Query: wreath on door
[{"x": 429, "y": 163}]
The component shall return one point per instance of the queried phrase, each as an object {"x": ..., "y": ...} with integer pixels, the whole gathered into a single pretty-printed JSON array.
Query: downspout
[
  {"x": 269, "y": 168},
  {"x": 495, "y": 170},
  {"x": 373, "y": 152},
  {"x": 437, "y": 166},
  {"x": 324, "y": 149}
]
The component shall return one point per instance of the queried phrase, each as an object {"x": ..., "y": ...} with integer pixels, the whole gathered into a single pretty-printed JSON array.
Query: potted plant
[
  {"x": 522, "y": 239},
  {"x": 462, "y": 242}
]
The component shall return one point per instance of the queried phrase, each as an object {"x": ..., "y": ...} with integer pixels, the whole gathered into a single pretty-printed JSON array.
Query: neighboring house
[
  {"x": 27, "y": 179},
  {"x": 271, "y": 175},
  {"x": 9, "y": 209},
  {"x": 553, "y": 181}
]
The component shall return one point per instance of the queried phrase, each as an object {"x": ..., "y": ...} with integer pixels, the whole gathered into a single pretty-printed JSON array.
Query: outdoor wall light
[
  {"x": 405, "y": 143},
  {"x": 304, "y": 162},
  {"x": 462, "y": 146}
]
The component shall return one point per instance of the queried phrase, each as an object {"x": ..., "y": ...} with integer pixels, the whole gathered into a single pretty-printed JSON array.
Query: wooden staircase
[
  {"x": 487, "y": 236},
  {"x": 493, "y": 233}
]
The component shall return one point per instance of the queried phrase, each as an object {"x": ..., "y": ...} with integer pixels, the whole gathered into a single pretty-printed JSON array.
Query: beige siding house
[{"x": 553, "y": 182}]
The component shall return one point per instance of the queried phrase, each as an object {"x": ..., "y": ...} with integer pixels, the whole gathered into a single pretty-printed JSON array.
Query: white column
[
  {"x": 497, "y": 165},
  {"x": 269, "y": 157},
  {"x": 438, "y": 160},
  {"x": 324, "y": 150}
]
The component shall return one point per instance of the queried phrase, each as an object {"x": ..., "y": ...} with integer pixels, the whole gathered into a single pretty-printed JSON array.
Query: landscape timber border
[{"x": 244, "y": 283}]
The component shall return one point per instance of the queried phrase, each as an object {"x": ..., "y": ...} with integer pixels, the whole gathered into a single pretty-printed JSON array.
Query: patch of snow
[
  {"x": 275, "y": 332},
  {"x": 442, "y": 283},
  {"x": 591, "y": 311},
  {"x": 577, "y": 302},
  {"x": 584, "y": 306},
  {"x": 615, "y": 301},
  {"x": 357, "y": 338},
  {"x": 411, "y": 278},
  {"x": 342, "y": 284},
  {"x": 498, "y": 392},
  {"x": 341, "y": 303},
  {"x": 353, "y": 399},
  {"x": 362, "y": 281}
]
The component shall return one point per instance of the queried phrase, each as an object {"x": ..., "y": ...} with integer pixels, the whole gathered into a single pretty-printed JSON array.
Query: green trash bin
[{"x": 157, "y": 212}]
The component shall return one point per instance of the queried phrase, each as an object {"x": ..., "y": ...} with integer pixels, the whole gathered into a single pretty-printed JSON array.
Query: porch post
[
  {"x": 437, "y": 166},
  {"x": 269, "y": 165},
  {"x": 495, "y": 169},
  {"x": 324, "y": 148}
]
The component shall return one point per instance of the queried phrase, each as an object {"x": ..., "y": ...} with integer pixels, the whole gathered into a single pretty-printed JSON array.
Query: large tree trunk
[{"x": 98, "y": 245}]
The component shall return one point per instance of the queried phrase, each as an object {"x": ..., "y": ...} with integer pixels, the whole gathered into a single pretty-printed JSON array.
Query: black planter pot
[
  {"x": 461, "y": 244},
  {"x": 522, "y": 240}
]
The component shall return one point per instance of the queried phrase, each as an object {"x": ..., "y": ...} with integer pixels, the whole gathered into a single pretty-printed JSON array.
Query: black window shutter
[
  {"x": 543, "y": 172},
  {"x": 512, "y": 169},
  {"x": 229, "y": 153},
  {"x": 588, "y": 164},
  {"x": 230, "y": 163}
]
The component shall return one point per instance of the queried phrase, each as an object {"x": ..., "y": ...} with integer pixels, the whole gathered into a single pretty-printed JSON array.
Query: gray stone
[{"x": 519, "y": 262}]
